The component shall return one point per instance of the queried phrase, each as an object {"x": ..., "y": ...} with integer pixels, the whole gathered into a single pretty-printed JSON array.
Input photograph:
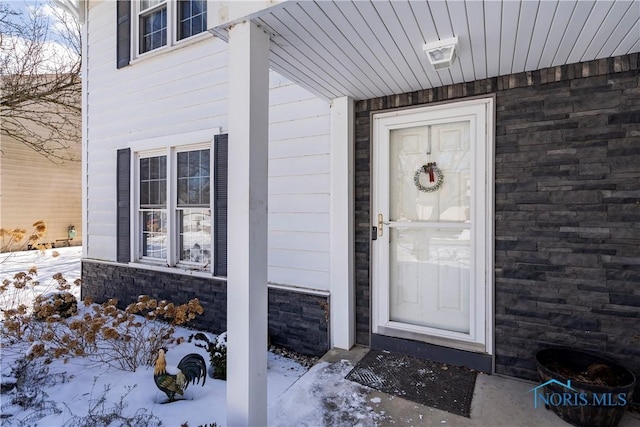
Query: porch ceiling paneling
[{"x": 369, "y": 49}]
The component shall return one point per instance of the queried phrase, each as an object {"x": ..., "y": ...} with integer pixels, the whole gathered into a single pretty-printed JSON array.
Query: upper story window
[
  {"x": 153, "y": 24},
  {"x": 163, "y": 22},
  {"x": 192, "y": 17},
  {"x": 146, "y": 25}
]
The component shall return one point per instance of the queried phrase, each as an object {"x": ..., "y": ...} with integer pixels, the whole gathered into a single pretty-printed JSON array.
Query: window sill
[
  {"x": 171, "y": 48},
  {"x": 176, "y": 270}
]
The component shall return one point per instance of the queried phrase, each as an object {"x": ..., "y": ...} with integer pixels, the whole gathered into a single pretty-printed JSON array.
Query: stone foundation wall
[{"x": 297, "y": 320}]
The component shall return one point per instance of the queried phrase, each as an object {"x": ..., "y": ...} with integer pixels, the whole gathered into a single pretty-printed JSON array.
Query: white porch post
[
  {"x": 247, "y": 226},
  {"x": 341, "y": 224}
]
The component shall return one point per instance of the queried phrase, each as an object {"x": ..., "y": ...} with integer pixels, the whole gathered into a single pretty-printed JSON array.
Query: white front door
[{"x": 432, "y": 264}]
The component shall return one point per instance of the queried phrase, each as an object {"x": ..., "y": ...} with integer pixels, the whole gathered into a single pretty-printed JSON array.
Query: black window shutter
[
  {"x": 221, "y": 150},
  {"x": 123, "y": 43},
  {"x": 123, "y": 189}
]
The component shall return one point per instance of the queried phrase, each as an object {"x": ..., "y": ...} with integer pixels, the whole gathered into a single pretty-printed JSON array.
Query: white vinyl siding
[
  {"x": 298, "y": 186},
  {"x": 179, "y": 98},
  {"x": 148, "y": 104}
]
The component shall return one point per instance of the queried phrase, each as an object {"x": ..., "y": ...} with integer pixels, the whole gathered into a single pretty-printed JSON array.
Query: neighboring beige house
[{"x": 33, "y": 188}]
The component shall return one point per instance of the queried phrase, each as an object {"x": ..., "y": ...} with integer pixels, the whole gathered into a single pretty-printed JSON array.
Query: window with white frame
[
  {"x": 192, "y": 17},
  {"x": 153, "y": 24},
  {"x": 194, "y": 207},
  {"x": 174, "y": 209},
  {"x": 153, "y": 206},
  {"x": 163, "y": 22}
]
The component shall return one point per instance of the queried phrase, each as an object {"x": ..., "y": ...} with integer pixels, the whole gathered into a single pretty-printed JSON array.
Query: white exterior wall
[
  {"x": 180, "y": 97},
  {"x": 299, "y": 138}
]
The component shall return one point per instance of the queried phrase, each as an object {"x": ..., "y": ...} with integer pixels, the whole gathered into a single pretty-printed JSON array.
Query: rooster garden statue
[{"x": 173, "y": 380}]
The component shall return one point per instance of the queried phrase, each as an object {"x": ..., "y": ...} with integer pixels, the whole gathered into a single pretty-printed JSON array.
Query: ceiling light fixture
[{"x": 442, "y": 53}]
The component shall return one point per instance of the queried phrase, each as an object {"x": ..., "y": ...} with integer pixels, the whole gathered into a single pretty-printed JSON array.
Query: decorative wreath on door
[{"x": 435, "y": 175}]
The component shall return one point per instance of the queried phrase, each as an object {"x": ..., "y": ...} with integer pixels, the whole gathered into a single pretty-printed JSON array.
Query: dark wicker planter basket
[{"x": 552, "y": 360}]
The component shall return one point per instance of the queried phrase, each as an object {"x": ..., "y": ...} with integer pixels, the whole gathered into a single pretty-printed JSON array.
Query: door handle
[{"x": 380, "y": 225}]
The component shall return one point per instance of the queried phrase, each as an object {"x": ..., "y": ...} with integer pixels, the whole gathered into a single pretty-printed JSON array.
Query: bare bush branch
[{"x": 40, "y": 65}]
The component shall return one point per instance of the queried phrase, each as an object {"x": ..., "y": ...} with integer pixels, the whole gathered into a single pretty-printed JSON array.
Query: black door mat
[{"x": 446, "y": 387}]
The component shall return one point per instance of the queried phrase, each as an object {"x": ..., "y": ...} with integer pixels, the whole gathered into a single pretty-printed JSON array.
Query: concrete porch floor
[{"x": 497, "y": 401}]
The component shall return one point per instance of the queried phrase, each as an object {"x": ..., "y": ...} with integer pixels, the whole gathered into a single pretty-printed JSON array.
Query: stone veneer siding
[
  {"x": 297, "y": 320},
  {"x": 567, "y": 209}
]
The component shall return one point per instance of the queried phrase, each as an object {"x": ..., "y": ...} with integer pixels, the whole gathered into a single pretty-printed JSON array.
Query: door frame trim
[{"x": 487, "y": 223}]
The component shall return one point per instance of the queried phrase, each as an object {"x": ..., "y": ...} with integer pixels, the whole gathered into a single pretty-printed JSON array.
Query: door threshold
[
  {"x": 482, "y": 362},
  {"x": 443, "y": 341}
]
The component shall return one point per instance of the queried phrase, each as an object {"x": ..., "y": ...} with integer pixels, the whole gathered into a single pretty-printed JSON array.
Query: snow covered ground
[
  {"x": 79, "y": 389},
  {"x": 64, "y": 260},
  {"x": 67, "y": 262}
]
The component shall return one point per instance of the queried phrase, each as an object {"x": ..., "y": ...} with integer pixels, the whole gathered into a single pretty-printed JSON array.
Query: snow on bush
[{"x": 217, "y": 349}]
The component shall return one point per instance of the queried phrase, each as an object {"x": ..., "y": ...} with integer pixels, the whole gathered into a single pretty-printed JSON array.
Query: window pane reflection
[
  {"x": 193, "y": 179},
  {"x": 153, "y": 30},
  {"x": 195, "y": 235},
  {"x": 154, "y": 234},
  {"x": 192, "y": 18}
]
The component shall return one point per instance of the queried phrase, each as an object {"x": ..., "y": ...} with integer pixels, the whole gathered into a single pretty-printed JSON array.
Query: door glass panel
[
  {"x": 410, "y": 149},
  {"x": 429, "y": 277}
]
